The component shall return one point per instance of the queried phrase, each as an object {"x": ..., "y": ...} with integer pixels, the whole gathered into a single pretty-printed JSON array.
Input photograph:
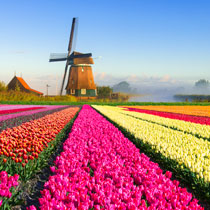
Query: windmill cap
[
  {"x": 80, "y": 55},
  {"x": 81, "y": 58}
]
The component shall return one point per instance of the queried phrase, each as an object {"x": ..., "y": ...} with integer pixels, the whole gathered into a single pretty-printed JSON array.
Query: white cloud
[{"x": 165, "y": 78}]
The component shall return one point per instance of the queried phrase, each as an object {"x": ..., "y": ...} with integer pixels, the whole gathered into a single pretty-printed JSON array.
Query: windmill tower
[{"x": 80, "y": 79}]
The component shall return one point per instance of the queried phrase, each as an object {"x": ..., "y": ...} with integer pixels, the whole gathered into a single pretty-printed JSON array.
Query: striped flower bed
[
  {"x": 46, "y": 108},
  {"x": 22, "y": 144},
  {"x": 187, "y": 110},
  {"x": 2, "y": 112},
  {"x": 187, "y": 150},
  {"x": 188, "y": 118},
  {"x": 12, "y": 107},
  {"x": 196, "y": 129},
  {"x": 100, "y": 168},
  {"x": 16, "y": 121}
]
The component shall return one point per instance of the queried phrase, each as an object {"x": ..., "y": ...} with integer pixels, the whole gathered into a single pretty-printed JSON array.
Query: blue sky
[{"x": 166, "y": 42}]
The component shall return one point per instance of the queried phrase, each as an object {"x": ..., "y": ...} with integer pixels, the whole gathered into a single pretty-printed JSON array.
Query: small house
[{"x": 19, "y": 83}]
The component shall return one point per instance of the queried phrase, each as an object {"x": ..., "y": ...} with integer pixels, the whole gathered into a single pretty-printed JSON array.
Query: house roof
[{"x": 26, "y": 86}]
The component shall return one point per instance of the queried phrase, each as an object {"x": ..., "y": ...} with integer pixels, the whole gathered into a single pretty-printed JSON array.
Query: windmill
[{"x": 80, "y": 79}]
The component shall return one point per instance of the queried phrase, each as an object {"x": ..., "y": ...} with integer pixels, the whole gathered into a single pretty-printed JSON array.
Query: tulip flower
[
  {"x": 186, "y": 149},
  {"x": 203, "y": 111},
  {"x": 101, "y": 169}
]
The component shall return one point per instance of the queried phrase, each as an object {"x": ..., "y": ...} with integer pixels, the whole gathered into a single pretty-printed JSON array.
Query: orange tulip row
[{"x": 25, "y": 142}]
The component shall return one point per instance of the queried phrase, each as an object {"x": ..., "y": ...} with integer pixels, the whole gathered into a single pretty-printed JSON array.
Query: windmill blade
[
  {"x": 75, "y": 35},
  {"x": 64, "y": 76},
  {"x": 72, "y": 34},
  {"x": 58, "y": 57}
]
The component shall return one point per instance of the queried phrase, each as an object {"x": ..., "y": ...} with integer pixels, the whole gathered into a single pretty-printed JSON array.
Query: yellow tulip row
[
  {"x": 193, "y": 128},
  {"x": 186, "y": 149}
]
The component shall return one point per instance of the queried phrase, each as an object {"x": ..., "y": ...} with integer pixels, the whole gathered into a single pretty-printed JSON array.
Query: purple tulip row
[
  {"x": 9, "y": 116},
  {"x": 100, "y": 168}
]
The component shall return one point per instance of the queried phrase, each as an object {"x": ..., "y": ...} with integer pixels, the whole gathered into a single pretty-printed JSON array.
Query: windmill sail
[
  {"x": 72, "y": 35},
  {"x": 69, "y": 52},
  {"x": 64, "y": 56},
  {"x": 73, "y": 47},
  {"x": 58, "y": 57}
]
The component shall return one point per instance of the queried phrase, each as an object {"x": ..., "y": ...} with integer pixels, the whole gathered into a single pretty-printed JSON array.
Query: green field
[{"x": 107, "y": 103}]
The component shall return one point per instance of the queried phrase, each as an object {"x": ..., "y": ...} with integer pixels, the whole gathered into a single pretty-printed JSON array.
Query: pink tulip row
[
  {"x": 18, "y": 106},
  {"x": 184, "y": 117},
  {"x": 2, "y": 112},
  {"x": 6, "y": 183},
  {"x": 10, "y": 116},
  {"x": 100, "y": 168}
]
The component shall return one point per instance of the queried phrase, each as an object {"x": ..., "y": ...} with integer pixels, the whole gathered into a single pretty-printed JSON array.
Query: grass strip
[{"x": 114, "y": 103}]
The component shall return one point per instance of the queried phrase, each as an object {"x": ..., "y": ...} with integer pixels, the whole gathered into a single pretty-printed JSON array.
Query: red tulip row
[
  {"x": 188, "y": 118},
  {"x": 19, "y": 145},
  {"x": 2, "y": 112}
]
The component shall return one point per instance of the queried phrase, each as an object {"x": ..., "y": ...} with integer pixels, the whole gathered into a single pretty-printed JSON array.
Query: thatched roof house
[{"x": 22, "y": 85}]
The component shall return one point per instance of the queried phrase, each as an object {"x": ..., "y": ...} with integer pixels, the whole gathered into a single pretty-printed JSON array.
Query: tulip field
[
  {"x": 25, "y": 148},
  {"x": 189, "y": 110},
  {"x": 104, "y": 157}
]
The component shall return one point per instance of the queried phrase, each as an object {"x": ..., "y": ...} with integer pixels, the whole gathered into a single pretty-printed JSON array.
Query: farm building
[{"x": 19, "y": 82}]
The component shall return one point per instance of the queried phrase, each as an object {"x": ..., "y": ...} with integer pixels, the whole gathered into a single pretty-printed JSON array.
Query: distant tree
[
  {"x": 202, "y": 83},
  {"x": 104, "y": 91},
  {"x": 122, "y": 87},
  {"x": 3, "y": 86}
]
